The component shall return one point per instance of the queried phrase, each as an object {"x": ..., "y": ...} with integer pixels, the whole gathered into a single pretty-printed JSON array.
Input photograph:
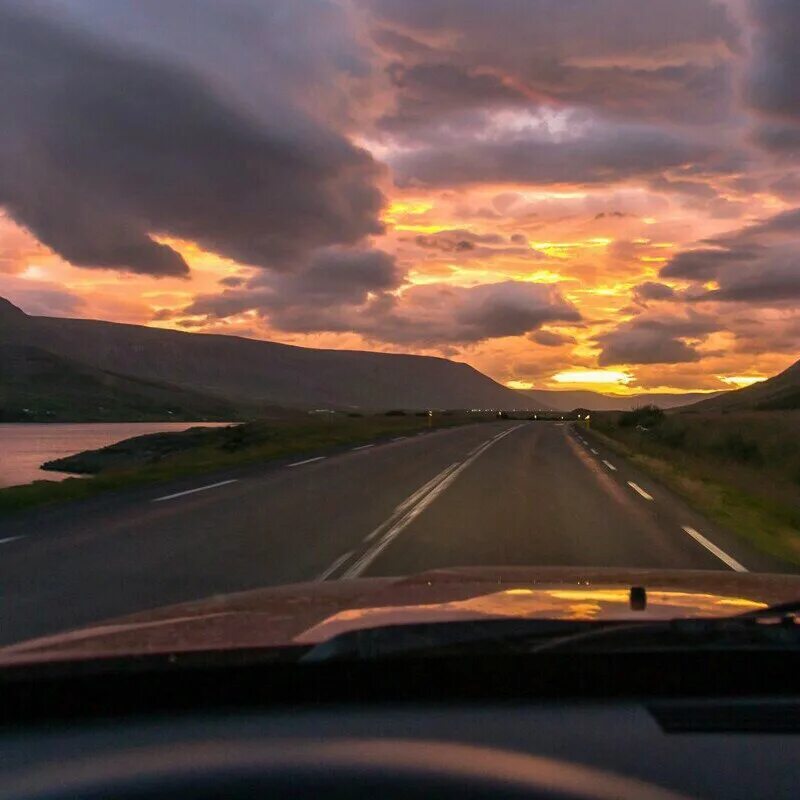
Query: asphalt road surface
[{"x": 505, "y": 493}]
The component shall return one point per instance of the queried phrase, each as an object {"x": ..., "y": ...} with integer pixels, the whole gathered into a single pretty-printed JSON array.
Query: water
[{"x": 24, "y": 447}]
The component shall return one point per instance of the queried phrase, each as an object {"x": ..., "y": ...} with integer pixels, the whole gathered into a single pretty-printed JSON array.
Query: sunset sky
[{"x": 563, "y": 193}]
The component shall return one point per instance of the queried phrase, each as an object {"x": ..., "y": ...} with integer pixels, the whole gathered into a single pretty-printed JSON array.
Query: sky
[{"x": 597, "y": 194}]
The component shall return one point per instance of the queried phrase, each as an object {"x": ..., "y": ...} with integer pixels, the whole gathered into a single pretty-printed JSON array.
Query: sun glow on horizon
[
  {"x": 598, "y": 377},
  {"x": 741, "y": 381}
]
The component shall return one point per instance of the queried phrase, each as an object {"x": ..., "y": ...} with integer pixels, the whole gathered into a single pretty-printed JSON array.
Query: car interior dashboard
[{"x": 583, "y": 727}]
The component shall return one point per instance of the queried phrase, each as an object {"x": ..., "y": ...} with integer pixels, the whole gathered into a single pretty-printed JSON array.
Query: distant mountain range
[
  {"x": 195, "y": 371},
  {"x": 596, "y": 401}
]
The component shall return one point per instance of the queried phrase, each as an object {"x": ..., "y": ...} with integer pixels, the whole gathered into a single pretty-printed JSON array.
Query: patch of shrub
[
  {"x": 735, "y": 447},
  {"x": 646, "y": 416},
  {"x": 396, "y": 412},
  {"x": 671, "y": 434}
]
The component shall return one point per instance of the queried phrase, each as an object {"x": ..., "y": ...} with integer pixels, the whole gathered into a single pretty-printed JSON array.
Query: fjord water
[{"x": 24, "y": 447}]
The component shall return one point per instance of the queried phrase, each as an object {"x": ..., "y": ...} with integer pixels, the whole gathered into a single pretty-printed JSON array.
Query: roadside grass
[
  {"x": 158, "y": 458},
  {"x": 741, "y": 470}
]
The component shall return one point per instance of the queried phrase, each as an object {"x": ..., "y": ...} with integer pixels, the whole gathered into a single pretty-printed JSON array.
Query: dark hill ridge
[
  {"x": 781, "y": 392},
  {"x": 39, "y": 386},
  {"x": 253, "y": 371}
]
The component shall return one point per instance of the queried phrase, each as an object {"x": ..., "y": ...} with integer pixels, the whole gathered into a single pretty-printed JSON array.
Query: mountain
[
  {"x": 780, "y": 392},
  {"x": 39, "y": 386},
  {"x": 253, "y": 371},
  {"x": 596, "y": 401}
]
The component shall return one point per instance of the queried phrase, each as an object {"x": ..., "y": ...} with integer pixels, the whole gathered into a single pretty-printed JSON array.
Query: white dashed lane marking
[
  {"x": 638, "y": 489},
  {"x": 696, "y": 535},
  {"x": 306, "y": 461},
  {"x": 712, "y": 548},
  {"x": 194, "y": 491}
]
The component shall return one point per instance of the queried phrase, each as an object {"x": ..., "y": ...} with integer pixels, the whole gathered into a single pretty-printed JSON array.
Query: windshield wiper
[
  {"x": 437, "y": 637},
  {"x": 768, "y": 628}
]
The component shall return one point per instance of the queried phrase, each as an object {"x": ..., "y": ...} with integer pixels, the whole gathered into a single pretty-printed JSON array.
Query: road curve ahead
[{"x": 504, "y": 493}]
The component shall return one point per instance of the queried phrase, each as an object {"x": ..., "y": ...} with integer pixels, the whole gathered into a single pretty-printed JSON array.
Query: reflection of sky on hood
[
  {"x": 598, "y": 193},
  {"x": 567, "y": 604}
]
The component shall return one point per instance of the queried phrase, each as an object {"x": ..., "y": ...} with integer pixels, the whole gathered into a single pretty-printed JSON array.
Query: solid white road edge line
[
  {"x": 192, "y": 491},
  {"x": 712, "y": 548},
  {"x": 10, "y": 539},
  {"x": 610, "y": 465},
  {"x": 307, "y": 461},
  {"x": 333, "y": 567},
  {"x": 412, "y": 513},
  {"x": 639, "y": 490},
  {"x": 363, "y": 447}
]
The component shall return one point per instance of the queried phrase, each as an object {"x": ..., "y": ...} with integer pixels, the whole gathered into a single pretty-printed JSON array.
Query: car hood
[{"x": 307, "y": 613}]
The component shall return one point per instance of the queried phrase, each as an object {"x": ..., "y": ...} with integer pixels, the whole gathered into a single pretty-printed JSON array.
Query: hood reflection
[{"x": 566, "y": 604}]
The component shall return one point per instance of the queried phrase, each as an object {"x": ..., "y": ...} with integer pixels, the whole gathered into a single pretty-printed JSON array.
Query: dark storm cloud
[
  {"x": 604, "y": 54},
  {"x": 650, "y": 290},
  {"x": 340, "y": 275},
  {"x": 429, "y": 315},
  {"x": 427, "y": 91},
  {"x": 706, "y": 264},
  {"x": 757, "y": 264},
  {"x": 773, "y": 75},
  {"x": 655, "y": 340},
  {"x": 601, "y": 154},
  {"x": 100, "y": 148},
  {"x": 508, "y": 309},
  {"x": 333, "y": 278},
  {"x": 465, "y": 244},
  {"x": 783, "y": 139},
  {"x": 454, "y": 241},
  {"x": 773, "y": 278},
  {"x": 592, "y": 28},
  {"x": 551, "y": 338},
  {"x": 775, "y": 67},
  {"x": 232, "y": 281}
]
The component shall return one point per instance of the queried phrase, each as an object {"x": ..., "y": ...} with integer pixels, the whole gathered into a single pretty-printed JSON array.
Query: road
[{"x": 504, "y": 493}]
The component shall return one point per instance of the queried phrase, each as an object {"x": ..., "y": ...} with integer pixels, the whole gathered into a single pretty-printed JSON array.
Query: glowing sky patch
[
  {"x": 593, "y": 377},
  {"x": 740, "y": 381}
]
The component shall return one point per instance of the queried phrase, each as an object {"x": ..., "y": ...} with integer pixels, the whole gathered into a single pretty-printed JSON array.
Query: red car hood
[{"x": 306, "y": 613}]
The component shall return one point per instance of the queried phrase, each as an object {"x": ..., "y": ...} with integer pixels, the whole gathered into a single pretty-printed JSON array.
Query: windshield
[{"x": 327, "y": 315}]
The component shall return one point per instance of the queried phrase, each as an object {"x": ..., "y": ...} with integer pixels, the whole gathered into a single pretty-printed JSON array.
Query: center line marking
[
  {"x": 192, "y": 491},
  {"x": 307, "y": 461},
  {"x": 333, "y": 567},
  {"x": 642, "y": 492},
  {"x": 364, "y": 447},
  {"x": 10, "y": 539},
  {"x": 610, "y": 465},
  {"x": 712, "y": 548},
  {"x": 593, "y": 450},
  {"x": 413, "y": 506}
]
